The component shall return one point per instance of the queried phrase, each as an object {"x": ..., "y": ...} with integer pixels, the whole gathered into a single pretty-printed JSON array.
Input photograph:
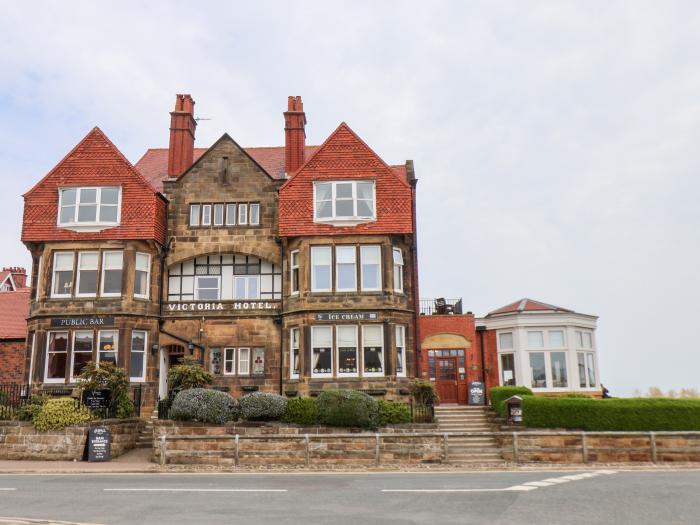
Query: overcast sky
[{"x": 556, "y": 143}]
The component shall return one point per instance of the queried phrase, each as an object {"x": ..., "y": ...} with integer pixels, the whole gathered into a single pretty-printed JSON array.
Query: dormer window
[
  {"x": 97, "y": 206},
  {"x": 344, "y": 202}
]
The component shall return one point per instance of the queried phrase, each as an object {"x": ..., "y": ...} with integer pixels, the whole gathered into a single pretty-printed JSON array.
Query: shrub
[
  {"x": 205, "y": 406},
  {"x": 423, "y": 392},
  {"x": 347, "y": 408},
  {"x": 301, "y": 410},
  {"x": 106, "y": 376},
  {"x": 393, "y": 413},
  {"x": 189, "y": 374},
  {"x": 59, "y": 413},
  {"x": 6, "y": 413},
  {"x": 27, "y": 411},
  {"x": 612, "y": 414},
  {"x": 576, "y": 395},
  {"x": 263, "y": 406},
  {"x": 498, "y": 394}
]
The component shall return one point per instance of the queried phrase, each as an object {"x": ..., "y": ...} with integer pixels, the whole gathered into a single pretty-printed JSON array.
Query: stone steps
[{"x": 468, "y": 449}]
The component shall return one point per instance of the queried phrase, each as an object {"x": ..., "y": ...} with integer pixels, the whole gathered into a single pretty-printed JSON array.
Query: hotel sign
[
  {"x": 347, "y": 316},
  {"x": 233, "y": 306},
  {"x": 68, "y": 322}
]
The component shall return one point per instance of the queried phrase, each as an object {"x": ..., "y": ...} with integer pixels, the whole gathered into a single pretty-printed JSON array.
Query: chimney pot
[
  {"x": 182, "y": 128},
  {"x": 294, "y": 134}
]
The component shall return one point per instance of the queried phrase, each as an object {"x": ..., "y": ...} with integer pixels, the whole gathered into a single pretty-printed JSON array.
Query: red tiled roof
[
  {"x": 154, "y": 163},
  {"x": 344, "y": 155},
  {"x": 528, "y": 305},
  {"x": 14, "y": 310},
  {"x": 95, "y": 161}
]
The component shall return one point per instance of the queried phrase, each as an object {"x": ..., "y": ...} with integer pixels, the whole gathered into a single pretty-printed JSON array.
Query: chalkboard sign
[
  {"x": 99, "y": 444},
  {"x": 95, "y": 399},
  {"x": 476, "y": 393}
]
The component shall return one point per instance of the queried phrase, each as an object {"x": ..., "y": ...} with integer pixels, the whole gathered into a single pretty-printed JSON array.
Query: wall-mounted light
[
  {"x": 190, "y": 346},
  {"x": 154, "y": 349}
]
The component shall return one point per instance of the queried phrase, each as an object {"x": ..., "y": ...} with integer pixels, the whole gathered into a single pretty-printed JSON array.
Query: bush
[
  {"x": 347, "y": 408},
  {"x": 301, "y": 410},
  {"x": 423, "y": 392},
  {"x": 205, "y": 406},
  {"x": 612, "y": 414},
  {"x": 106, "y": 376},
  {"x": 187, "y": 375},
  {"x": 498, "y": 394},
  {"x": 59, "y": 413},
  {"x": 27, "y": 411},
  {"x": 263, "y": 406},
  {"x": 392, "y": 413}
]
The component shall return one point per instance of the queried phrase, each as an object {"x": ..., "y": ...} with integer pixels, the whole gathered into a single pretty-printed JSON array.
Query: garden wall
[{"x": 20, "y": 440}]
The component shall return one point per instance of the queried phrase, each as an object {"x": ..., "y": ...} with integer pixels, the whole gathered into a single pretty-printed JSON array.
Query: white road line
[
  {"x": 191, "y": 490},
  {"x": 539, "y": 483},
  {"x": 7, "y": 489},
  {"x": 516, "y": 488}
]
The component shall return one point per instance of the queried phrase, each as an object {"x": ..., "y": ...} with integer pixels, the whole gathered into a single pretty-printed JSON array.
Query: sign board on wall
[
  {"x": 234, "y": 306},
  {"x": 99, "y": 444},
  {"x": 347, "y": 316},
  {"x": 96, "y": 399},
  {"x": 87, "y": 322}
]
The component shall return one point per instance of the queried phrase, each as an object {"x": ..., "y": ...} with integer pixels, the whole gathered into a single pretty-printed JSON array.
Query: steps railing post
[
  {"x": 236, "y": 453},
  {"x": 445, "y": 446},
  {"x": 515, "y": 447}
]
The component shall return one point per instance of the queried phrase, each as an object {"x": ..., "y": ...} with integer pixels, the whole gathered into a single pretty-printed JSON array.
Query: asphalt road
[{"x": 513, "y": 498}]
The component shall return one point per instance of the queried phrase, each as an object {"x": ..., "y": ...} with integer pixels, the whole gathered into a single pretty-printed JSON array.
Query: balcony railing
[{"x": 440, "y": 306}]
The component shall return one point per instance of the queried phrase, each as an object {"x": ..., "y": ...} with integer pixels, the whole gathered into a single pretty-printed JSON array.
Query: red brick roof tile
[
  {"x": 528, "y": 305},
  {"x": 14, "y": 310}
]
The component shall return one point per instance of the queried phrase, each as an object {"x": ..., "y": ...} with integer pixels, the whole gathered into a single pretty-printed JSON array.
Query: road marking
[
  {"x": 191, "y": 490},
  {"x": 516, "y": 488},
  {"x": 6, "y": 489}
]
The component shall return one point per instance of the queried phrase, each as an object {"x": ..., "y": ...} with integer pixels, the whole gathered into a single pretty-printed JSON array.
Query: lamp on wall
[
  {"x": 154, "y": 349},
  {"x": 190, "y": 346}
]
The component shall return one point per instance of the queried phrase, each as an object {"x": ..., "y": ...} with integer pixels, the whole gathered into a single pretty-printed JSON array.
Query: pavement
[{"x": 622, "y": 497}]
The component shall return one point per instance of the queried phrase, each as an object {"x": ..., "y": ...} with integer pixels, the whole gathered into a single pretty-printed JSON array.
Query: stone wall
[
  {"x": 20, "y": 440},
  {"x": 270, "y": 445}
]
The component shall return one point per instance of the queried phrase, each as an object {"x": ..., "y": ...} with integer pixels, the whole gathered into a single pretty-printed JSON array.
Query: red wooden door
[{"x": 447, "y": 379}]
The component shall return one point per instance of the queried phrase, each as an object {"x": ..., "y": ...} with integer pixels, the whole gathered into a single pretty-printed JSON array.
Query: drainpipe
[
  {"x": 416, "y": 303},
  {"x": 279, "y": 319},
  {"x": 481, "y": 330}
]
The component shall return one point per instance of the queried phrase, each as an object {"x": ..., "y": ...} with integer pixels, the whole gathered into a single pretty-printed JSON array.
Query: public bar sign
[
  {"x": 347, "y": 316},
  {"x": 68, "y": 322}
]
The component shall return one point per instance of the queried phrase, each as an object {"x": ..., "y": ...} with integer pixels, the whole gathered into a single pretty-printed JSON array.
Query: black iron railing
[
  {"x": 421, "y": 413},
  {"x": 164, "y": 406},
  {"x": 440, "y": 306}
]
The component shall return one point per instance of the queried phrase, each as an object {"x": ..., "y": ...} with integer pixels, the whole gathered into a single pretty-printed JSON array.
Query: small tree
[
  {"x": 423, "y": 392},
  {"x": 188, "y": 374},
  {"x": 106, "y": 376}
]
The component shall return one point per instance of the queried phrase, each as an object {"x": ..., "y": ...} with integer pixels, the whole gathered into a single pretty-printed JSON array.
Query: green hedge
[
  {"x": 347, "y": 408},
  {"x": 301, "y": 410},
  {"x": 611, "y": 414},
  {"x": 392, "y": 413},
  {"x": 498, "y": 394}
]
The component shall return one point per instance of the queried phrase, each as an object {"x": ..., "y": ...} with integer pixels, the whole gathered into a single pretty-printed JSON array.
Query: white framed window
[
  {"x": 556, "y": 338},
  {"x": 254, "y": 214},
  {"x": 321, "y": 351},
  {"x": 320, "y": 268},
  {"x": 535, "y": 339},
  {"x": 83, "y": 341},
  {"x": 206, "y": 214},
  {"x": 244, "y": 361},
  {"x": 294, "y": 271},
  {"x": 108, "y": 347},
  {"x": 505, "y": 341},
  {"x": 56, "y": 357},
  {"x": 371, "y": 275},
  {"x": 242, "y": 214},
  {"x": 294, "y": 353},
  {"x": 229, "y": 361},
  {"x": 346, "y": 350},
  {"x": 142, "y": 276},
  {"x": 62, "y": 274},
  {"x": 344, "y": 200},
  {"x": 345, "y": 268},
  {"x": 206, "y": 288},
  {"x": 93, "y": 206},
  {"x": 86, "y": 283},
  {"x": 218, "y": 214},
  {"x": 230, "y": 215},
  {"x": 112, "y": 266},
  {"x": 194, "y": 214},
  {"x": 548, "y": 370},
  {"x": 258, "y": 361},
  {"x": 137, "y": 360},
  {"x": 398, "y": 269},
  {"x": 538, "y": 370},
  {"x": 401, "y": 351},
  {"x": 373, "y": 350},
  {"x": 246, "y": 287},
  {"x": 507, "y": 362},
  {"x": 586, "y": 369},
  {"x": 558, "y": 369}
]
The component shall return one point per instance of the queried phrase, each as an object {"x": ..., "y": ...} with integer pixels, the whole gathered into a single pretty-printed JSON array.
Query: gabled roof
[
  {"x": 14, "y": 310},
  {"x": 154, "y": 163},
  {"x": 7, "y": 276},
  {"x": 528, "y": 305}
]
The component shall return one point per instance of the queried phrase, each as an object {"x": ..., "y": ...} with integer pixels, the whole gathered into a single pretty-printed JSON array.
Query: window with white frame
[
  {"x": 206, "y": 214},
  {"x": 507, "y": 369},
  {"x": 218, "y": 214},
  {"x": 254, "y": 214},
  {"x": 137, "y": 361},
  {"x": 344, "y": 200},
  {"x": 82, "y": 351},
  {"x": 112, "y": 266},
  {"x": 244, "y": 361},
  {"x": 94, "y": 206},
  {"x": 230, "y": 214},
  {"x": 505, "y": 341},
  {"x": 142, "y": 276},
  {"x": 56, "y": 357},
  {"x": 584, "y": 339},
  {"x": 258, "y": 361},
  {"x": 108, "y": 347},
  {"x": 535, "y": 339},
  {"x": 294, "y": 353},
  {"x": 538, "y": 370},
  {"x": 321, "y": 351},
  {"x": 548, "y": 370},
  {"x": 346, "y": 345},
  {"x": 242, "y": 214},
  {"x": 321, "y": 269},
  {"x": 559, "y": 370},
  {"x": 345, "y": 268},
  {"x": 87, "y": 274},
  {"x": 229, "y": 361},
  {"x": 398, "y": 269},
  {"x": 246, "y": 287},
  {"x": 556, "y": 338},
  {"x": 62, "y": 274},
  {"x": 294, "y": 271},
  {"x": 371, "y": 274},
  {"x": 401, "y": 351},
  {"x": 206, "y": 288},
  {"x": 373, "y": 350},
  {"x": 194, "y": 214},
  {"x": 586, "y": 369}
]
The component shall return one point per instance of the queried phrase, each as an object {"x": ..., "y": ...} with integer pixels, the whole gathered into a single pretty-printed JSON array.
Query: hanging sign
[{"x": 347, "y": 316}]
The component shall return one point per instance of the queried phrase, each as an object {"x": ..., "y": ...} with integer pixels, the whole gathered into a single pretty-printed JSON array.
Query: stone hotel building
[{"x": 285, "y": 269}]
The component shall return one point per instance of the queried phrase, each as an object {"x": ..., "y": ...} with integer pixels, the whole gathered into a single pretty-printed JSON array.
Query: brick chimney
[
  {"x": 19, "y": 276},
  {"x": 294, "y": 135},
  {"x": 182, "y": 127}
]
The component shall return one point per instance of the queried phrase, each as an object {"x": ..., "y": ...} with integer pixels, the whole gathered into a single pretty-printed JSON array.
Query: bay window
[
  {"x": 108, "y": 346},
  {"x": 507, "y": 369},
  {"x": 320, "y": 268},
  {"x": 370, "y": 259},
  {"x": 548, "y": 370},
  {"x": 89, "y": 206},
  {"x": 558, "y": 367},
  {"x": 82, "y": 351},
  {"x": 87, "y": 274},
  {"x": 56, "y": 357},
  {"x": 294, "y": 353},
  {"x": 137, "y": 361},
  {"x": 373, "y": 350},
  {"x": 344, "y": 200},
  {"x": 401, "y": 351},
  {"x": 535, "y": 339},
  {"x": 346, "y": 344},
  {"x": 142, "y": 275},
  {"x": 586, "y": 369},
  {"x": 294, "y": 271},
  {"x": 505, "y": 341},
  {"x": 112, "y": 265},
  {"x": 345, "y": 268},
  {"x": 321, "y": 351},
  {"x": 538, "y": 370},
  {"x": 398, "y": 270},
  {"x": 62, "y": 274}
]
